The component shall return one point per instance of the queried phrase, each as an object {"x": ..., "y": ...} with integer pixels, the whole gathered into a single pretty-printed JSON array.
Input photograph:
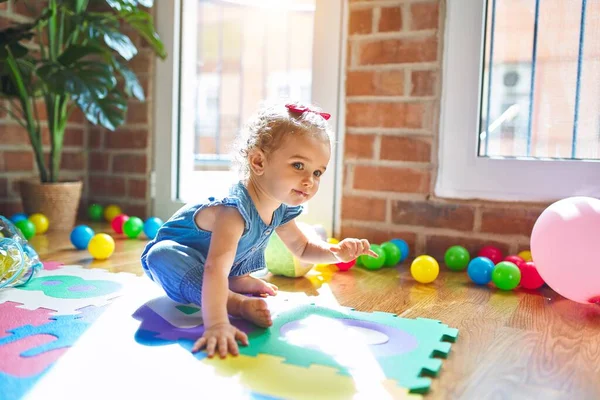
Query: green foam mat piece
[{"x": 314, "y": 335}]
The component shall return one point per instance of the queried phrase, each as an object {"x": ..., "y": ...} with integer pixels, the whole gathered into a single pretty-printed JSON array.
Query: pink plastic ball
[
  {"x": 530, "y": 278},
  {"x": 491, "y": 252},
  {"x": 565, "y": 247},
  {"x": 345, "y": 266},
  {"x": 118, "y": 222},
  {"x": 518, "y": 261}
]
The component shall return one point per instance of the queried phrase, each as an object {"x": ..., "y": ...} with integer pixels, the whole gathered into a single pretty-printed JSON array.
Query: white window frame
[
  {"x": 462, "y": 174},
  {"x": 329, "y": 52}
]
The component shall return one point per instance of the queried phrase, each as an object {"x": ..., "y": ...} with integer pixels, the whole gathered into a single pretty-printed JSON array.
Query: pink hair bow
[{"x": 303, "y": 109}]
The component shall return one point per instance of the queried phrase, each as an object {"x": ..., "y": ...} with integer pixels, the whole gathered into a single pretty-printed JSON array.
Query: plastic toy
[
  {"x": 530, "y": 278},
  {"x": 18, "y": 217},
  {"x": 41, "y": 223},
  {"x": 95, "y": 212},
  {"x": 19, "y": 262},
  {"x": 372, "y": 262},
  {"x": 491, "y": 252},
  {"x": 345, "y": 266},
  {"x": 26, "y": 227},
  {"x": 81, "y": 236},
  {"x": 392, "y": 254},
  {"x": 480, "y": 270},
  {"x": 457, "y": 258},
  {"x": 424, "y": 269},
  {"x": 133, "y": 227},
  {"x": 151, "y": 227},
  {"x": 111, "y": 211},
  {"x": 403, "y": 246},
  {"x": 101, "y": 246},
  {"x": 506, "y": 275},
  {"x": 565, "y": 248},
  {"x": 525, "y": 255},
  {"x": 518, "y": 261},
  {"x": 280, "y": 261},
  {"x": 117, "y": 223}
]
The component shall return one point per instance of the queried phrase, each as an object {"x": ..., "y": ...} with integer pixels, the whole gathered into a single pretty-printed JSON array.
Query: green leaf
[
  {"x": 106, "y": 26},
  {"x": 143, "y": 23},
  {"x": 76, "y": 52},
  {"x": 128, "y": 5},
  {"x": 132, "y": 84},
  {"x": 108, "y": 112},
  {"x": 7, "y": 86},
  {"x": 83, "y": 80}
]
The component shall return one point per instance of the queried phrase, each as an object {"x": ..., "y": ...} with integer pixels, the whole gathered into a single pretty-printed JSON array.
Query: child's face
[{"x": 293, "y": 171}]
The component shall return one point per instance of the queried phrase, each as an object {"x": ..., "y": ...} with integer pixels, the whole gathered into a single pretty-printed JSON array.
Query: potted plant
[{"x": 73, "y": 55}]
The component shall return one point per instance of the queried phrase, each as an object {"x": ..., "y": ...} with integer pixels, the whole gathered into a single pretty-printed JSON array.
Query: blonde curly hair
[{"x": 266, "y": 129}]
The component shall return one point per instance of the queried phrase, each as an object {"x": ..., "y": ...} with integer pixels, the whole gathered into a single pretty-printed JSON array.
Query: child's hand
[
  {"x": 350, "y": 249},
  {"x": 222, "y": 338}
]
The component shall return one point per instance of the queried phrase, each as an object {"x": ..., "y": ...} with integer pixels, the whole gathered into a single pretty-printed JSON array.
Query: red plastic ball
[
  {"x": 491, "y": 252},
  {"x": 530, "y": 278},
  {"x": 117, "y": 223},
  {"x": 518, "y": 261},
  {"x": 345, "y": 266}
]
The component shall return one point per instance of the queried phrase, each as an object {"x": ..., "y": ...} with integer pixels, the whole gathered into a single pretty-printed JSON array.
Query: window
[{"x": 520, "y": 116}]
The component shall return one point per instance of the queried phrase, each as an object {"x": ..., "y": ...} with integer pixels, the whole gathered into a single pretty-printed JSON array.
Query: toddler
[{"x": 204, "y": 254}]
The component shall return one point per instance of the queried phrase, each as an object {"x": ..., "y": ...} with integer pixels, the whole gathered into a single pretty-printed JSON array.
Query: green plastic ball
[
  {"x": 26, "y": 227},
  {"x": 506, "y": 275},
  {"x": 133, "y": 227},
  {"x": 95, "y": 212},
  {"x": 371, "y": 262},
  {"x": 457, "y": 258},
  {"x": 392, "y": 254}
]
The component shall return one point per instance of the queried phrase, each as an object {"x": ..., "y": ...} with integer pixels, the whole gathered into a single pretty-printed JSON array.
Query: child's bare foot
[
  {"x": 247, "y": 284},
  {"x": 249, "y": 308}
]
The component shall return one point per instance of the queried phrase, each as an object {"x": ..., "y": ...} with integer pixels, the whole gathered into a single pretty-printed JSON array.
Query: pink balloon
[{"x": 565, "y": 244}]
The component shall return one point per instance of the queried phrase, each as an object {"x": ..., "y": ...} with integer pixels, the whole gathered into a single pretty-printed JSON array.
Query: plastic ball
[
  {"x": 392, "y": 254},
  {"x": 403, "y": 246},
  {"x": 133, "y": 227},
  {"x": 279, "y": 259},
  {"x": 525, "y": 255},
  {"x": 565, "y": 248},
  {"x": 332, "y": 241},
  {"x": 117, "y": 223},
  {"x": 530, "y": 278},
  {"x": 81, "y": 236},
  {"x": 506, "y": 275},
  {"x": 372, "y": 263},
  {"x": 424, "y": 269},
  {"x": 95, "y": 212},
  {"x": 111, "y": 211},
  {"x": 518, "y": 261},
  {"x": 26, "y": 227},
  {"x": 345, "y": 266},
  {"x": 40, "y": 221},
  {"x": 457, "y": 258},
  {"x": 18, "y": 217},
  {"x": 480, "y": 270},
  {"x": 491, "y": 252},
  {"x": 101, "y": 246},
  {"x": 151, "y": 227}
]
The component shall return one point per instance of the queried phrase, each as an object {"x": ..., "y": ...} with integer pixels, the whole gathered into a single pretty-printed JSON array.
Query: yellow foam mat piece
[{"x": 271, "y": 376}]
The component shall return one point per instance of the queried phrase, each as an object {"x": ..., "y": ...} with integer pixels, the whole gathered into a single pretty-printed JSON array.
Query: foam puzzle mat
[{"x": 89, "y": 333}]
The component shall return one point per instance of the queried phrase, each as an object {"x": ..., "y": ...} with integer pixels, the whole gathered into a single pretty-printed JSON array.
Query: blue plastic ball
[
  {"x": 480, "y": 270},
  {"x": 81, "y": 236},
  {"x": 403, "y": 246},
  {"x": 151, "y": 227},
  {"x": 18, "y": 217}
]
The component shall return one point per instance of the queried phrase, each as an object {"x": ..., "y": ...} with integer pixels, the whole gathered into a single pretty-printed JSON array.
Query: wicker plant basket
[{"x": 59, "y": 201}]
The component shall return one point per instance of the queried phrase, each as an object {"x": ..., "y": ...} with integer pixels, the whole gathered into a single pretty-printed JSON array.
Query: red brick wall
[
  {"x": 393, "y": 85},
  {"x": 113, "y": 165}
]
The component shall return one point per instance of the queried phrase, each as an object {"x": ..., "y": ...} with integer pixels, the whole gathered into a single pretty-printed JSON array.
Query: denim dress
[{"x": 175, "y": 258}]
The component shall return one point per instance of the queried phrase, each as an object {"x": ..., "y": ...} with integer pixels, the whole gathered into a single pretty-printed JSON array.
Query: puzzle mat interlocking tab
[{"x": 96, "y": 287}]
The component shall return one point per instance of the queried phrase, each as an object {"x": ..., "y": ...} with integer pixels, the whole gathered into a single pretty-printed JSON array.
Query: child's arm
[
  {"x": 319, "y": 251},
  {"x": 226, "y": 234}
]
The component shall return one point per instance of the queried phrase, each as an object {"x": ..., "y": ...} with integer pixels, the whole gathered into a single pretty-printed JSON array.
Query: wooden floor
[{"x": 511, "y": 345}]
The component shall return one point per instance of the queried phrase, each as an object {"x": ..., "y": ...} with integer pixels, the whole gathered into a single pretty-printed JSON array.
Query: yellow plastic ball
[
  {"x": 424, "y": 269},
  {"x": 111, "y": 211},
  {"x": 101, "y": 246},
  {"x": 40, "y": 221},
  {"x": 333, "y": 241},
  {"x": 526, "y": 255}
]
